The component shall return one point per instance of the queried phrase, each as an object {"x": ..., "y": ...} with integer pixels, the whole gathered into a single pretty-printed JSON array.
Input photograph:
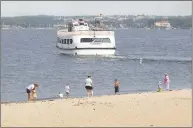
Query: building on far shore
[{"x": 162, "y": 24}]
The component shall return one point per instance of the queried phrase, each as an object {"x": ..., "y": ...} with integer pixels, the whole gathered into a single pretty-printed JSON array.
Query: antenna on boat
[{"x": 98, "y": 20}]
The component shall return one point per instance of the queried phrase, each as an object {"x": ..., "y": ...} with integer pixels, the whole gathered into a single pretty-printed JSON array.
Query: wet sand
[{"x": 156, "y": 109}]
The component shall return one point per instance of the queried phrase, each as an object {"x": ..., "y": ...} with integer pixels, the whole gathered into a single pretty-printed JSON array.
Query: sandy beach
[{"x": 173, "y": 108}]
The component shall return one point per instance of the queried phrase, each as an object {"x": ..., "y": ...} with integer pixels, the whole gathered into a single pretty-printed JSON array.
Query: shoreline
[
  {"x": 155, "y": 109},
  {"x": 82, "y": 97}
]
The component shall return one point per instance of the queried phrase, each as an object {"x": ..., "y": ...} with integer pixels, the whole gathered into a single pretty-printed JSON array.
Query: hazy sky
[{"x": 68, "y": 8}]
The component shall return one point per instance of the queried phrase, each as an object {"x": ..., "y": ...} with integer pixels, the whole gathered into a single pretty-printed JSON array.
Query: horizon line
[{"x": 98, "y": 15}]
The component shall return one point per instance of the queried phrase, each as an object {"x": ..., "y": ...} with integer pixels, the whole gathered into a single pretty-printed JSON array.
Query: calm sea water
[{"x": 30, "y": 55}]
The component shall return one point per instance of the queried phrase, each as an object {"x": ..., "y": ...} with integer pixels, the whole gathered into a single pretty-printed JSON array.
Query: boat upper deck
[
  {"x": 80, "y": 27},
  {"x": 90, "y": 32}
]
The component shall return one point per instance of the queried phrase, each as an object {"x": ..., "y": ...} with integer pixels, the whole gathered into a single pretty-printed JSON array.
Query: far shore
[{"x": 148, "y": 109}]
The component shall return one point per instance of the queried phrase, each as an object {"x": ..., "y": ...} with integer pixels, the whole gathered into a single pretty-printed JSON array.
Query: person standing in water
[
  {"x": 67, "y": 89},
  {"x": 31, "y": 88},
  {"x": 166, "y": 81},
  {"x": 116, "y": 85},
  {"x": 89, "y": 86}
]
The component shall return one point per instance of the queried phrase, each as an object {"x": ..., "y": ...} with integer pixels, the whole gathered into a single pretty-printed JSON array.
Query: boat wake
[{"x": 142, "y": 58}]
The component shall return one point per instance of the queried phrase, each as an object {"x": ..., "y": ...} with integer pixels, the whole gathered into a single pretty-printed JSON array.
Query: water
[{"x": 30, "y": 55}]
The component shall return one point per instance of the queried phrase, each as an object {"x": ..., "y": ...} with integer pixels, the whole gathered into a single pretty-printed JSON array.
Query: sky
[{"x": 81, "y": 8}]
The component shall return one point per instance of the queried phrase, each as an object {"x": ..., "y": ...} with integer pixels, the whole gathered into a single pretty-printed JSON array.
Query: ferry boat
[{"x": 80, "y": 39}]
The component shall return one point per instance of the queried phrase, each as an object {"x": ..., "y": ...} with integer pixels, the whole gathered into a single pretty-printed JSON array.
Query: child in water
[
  {"x": 67, "y": 89},
  {"x": 116, "y": 86},
  {"x": 159, "y": 87}
]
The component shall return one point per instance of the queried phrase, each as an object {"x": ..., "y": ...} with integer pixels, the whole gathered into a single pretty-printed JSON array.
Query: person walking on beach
[
  {"x": 67, "y": 89},
  {"x": 116, "y": 85},
  {"x": 89, "y": 86},
  {"x": 31, "y": 88},
  {"x": 166, "y": 81}
]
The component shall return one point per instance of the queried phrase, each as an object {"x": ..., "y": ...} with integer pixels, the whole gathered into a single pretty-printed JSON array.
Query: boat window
[
  {"x": 106, "y": 40},
  {"x": 67, "y": 41},
  {"x": 71, "y": 41},
  {"x": 86, "y": 40},
  {"x": 89, "y": 40},
  {"x": 98, "y": 40},
  {"x": 64, "y": 41},
  {"x": 60, "y": 41}
]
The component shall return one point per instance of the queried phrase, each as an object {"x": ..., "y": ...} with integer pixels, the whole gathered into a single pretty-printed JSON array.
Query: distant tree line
[
  {"x": 26, "y": 21},
  {"x": 184, "y": 22},
  {"x": 181, "y": 22}
]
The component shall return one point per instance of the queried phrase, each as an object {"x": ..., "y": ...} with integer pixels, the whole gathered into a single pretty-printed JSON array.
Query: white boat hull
[{"x": 85, "y": 52}]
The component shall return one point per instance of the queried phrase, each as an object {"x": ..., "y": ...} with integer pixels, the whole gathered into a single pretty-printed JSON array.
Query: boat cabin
[{"x": 79, "y": 25}]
